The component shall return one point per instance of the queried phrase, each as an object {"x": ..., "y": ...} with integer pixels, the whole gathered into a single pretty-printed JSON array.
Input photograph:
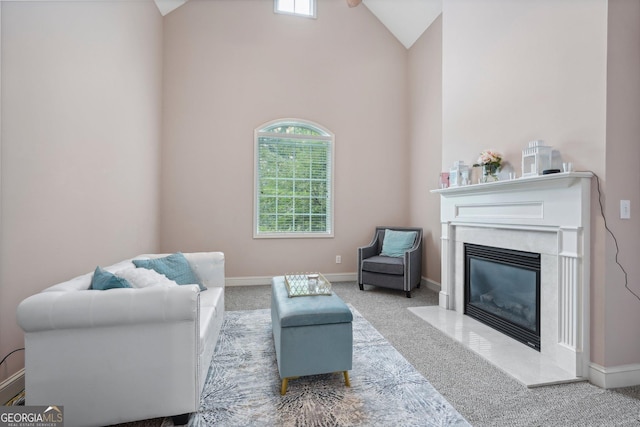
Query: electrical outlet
[
  {"x": 625, "y": 209},
  {"x": 338, "y": 259}
]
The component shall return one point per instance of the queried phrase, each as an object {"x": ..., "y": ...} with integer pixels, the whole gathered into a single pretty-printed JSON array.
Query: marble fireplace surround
[{"x": 547, "y": 214}]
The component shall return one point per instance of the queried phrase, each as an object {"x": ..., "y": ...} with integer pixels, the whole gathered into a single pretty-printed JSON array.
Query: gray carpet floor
[{"x": 482, "y": 393}]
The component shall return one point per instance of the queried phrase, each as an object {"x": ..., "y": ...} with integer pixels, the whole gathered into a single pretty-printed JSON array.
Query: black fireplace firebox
[{"x": 502, "y": 290}]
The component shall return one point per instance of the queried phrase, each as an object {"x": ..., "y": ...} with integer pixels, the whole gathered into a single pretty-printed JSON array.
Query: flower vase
[{"x": 489, "y": 173}]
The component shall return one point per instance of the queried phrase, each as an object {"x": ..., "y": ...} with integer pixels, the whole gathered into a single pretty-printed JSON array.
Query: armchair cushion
[
  {"x": 384, "y": 264},
  {"x": 395, "y": 243}
]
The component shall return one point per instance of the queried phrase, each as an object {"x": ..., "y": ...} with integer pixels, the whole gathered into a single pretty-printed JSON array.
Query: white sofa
[{"x": 123, "y": 354}]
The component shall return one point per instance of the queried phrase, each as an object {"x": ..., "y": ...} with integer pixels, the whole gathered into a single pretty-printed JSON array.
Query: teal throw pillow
[
  {"x": 103, "y": 280},
  {"x": 395, "y": 243},
  {"x": 175, "y": 267}
]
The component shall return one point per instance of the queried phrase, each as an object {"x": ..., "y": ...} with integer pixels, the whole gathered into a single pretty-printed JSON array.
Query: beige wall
[
  {"x": 425, "y": 136},
  {"x": 81, "y": 97},
  {"x": 621, "y": 308},
  {"x": 518, "y": 71},
  {"x": 558, "y": 71},
  {"x": 231, "y": 66}
]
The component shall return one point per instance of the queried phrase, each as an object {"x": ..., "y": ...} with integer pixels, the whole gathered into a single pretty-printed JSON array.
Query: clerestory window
[
  {"x": 293, "y": 180},
  {"x": 306, "y": 8}
]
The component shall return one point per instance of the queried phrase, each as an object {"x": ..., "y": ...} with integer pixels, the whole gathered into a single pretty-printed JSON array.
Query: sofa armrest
[
  {"x": 370, "y": 250},
  {"x": 414, "y": 254},
  {"x": 365, "y": 252},
  {"x": 413, "y": 264},
  {"x": 92, "y": 308},
  {"x": 417, "y": 247}
]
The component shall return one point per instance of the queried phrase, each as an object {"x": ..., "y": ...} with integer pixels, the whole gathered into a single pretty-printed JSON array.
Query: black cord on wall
[
  {"x": 626, "y": 277},
  {"x": 7, "y": 356}
]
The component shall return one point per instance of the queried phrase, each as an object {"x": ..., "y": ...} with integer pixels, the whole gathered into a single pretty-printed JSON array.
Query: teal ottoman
[{"x": 312, "y": 334}]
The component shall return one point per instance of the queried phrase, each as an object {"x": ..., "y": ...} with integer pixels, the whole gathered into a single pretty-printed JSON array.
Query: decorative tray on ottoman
[{"x": 306, "y": 284}]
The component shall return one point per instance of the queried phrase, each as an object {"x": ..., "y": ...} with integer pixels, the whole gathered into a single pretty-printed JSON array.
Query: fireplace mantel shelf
[{"x": 556, "y": 180}]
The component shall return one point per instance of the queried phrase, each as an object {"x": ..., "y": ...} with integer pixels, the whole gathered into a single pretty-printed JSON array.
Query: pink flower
[{"x": 489, "y": 157}]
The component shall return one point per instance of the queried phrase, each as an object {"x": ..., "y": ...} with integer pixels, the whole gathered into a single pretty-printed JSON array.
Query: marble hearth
[{"x": 549, "y": 215}]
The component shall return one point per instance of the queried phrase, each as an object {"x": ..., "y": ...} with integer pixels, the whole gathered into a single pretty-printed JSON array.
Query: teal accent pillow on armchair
[
  {"x": 395, "y": 243},
  {"x": 175, "y": 267},
  {"x": 103, "y": 280}
]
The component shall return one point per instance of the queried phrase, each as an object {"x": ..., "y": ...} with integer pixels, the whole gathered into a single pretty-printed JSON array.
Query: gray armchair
[{"x": 395, "y": 272}]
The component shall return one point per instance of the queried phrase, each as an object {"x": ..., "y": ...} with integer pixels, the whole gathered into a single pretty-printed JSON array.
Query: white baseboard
[
  {"x": 266, "y": 280},
  {"x": 10, "y": 387},
  {"x": 430, "y": 284},
  {"x": 614, "y": 376}
]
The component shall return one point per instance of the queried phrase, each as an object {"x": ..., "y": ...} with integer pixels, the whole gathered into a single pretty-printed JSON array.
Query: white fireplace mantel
[
  {"x": 548, "y": 214},
  {"x": 555, "y": 200}
]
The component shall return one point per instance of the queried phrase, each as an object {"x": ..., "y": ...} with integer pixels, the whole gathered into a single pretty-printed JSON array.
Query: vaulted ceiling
[{"x": 405, "y": 19}]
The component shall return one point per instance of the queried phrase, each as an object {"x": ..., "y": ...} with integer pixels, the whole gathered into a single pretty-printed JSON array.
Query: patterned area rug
[{"x": 243, "y": 385}]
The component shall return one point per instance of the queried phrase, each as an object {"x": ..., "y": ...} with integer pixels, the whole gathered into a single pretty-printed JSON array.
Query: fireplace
[
  {"x": 547, "y": 215},
  {"x": 502, "y": 290}
]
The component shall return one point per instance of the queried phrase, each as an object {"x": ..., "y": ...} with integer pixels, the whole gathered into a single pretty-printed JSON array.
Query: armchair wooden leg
[
  {"x": 408, "y": 294},
  {"x": 361, "y": 286}
]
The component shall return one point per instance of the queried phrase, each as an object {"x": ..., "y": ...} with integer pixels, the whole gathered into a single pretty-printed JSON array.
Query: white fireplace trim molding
[{"x": 554, "y": 208}]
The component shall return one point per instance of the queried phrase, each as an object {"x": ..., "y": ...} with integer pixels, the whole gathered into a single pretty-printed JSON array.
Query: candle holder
[
  {"x": 536, "y": 158},
  {"x": 459, "y": 174}
]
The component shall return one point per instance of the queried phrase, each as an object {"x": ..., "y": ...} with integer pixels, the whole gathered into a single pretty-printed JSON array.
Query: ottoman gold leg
[
  {"x": 283, "y": 389},
  {"x": 346, "y": 379}
]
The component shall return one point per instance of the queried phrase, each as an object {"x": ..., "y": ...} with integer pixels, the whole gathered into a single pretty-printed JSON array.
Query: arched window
[{"x": 293, "y": 180}]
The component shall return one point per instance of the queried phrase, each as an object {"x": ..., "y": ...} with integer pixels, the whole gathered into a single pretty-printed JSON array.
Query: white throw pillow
[{"x": 143, "y": 277}]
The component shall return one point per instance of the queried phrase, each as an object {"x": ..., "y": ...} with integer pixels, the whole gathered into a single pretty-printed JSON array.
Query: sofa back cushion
[{"x": 143, "y": 278}]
